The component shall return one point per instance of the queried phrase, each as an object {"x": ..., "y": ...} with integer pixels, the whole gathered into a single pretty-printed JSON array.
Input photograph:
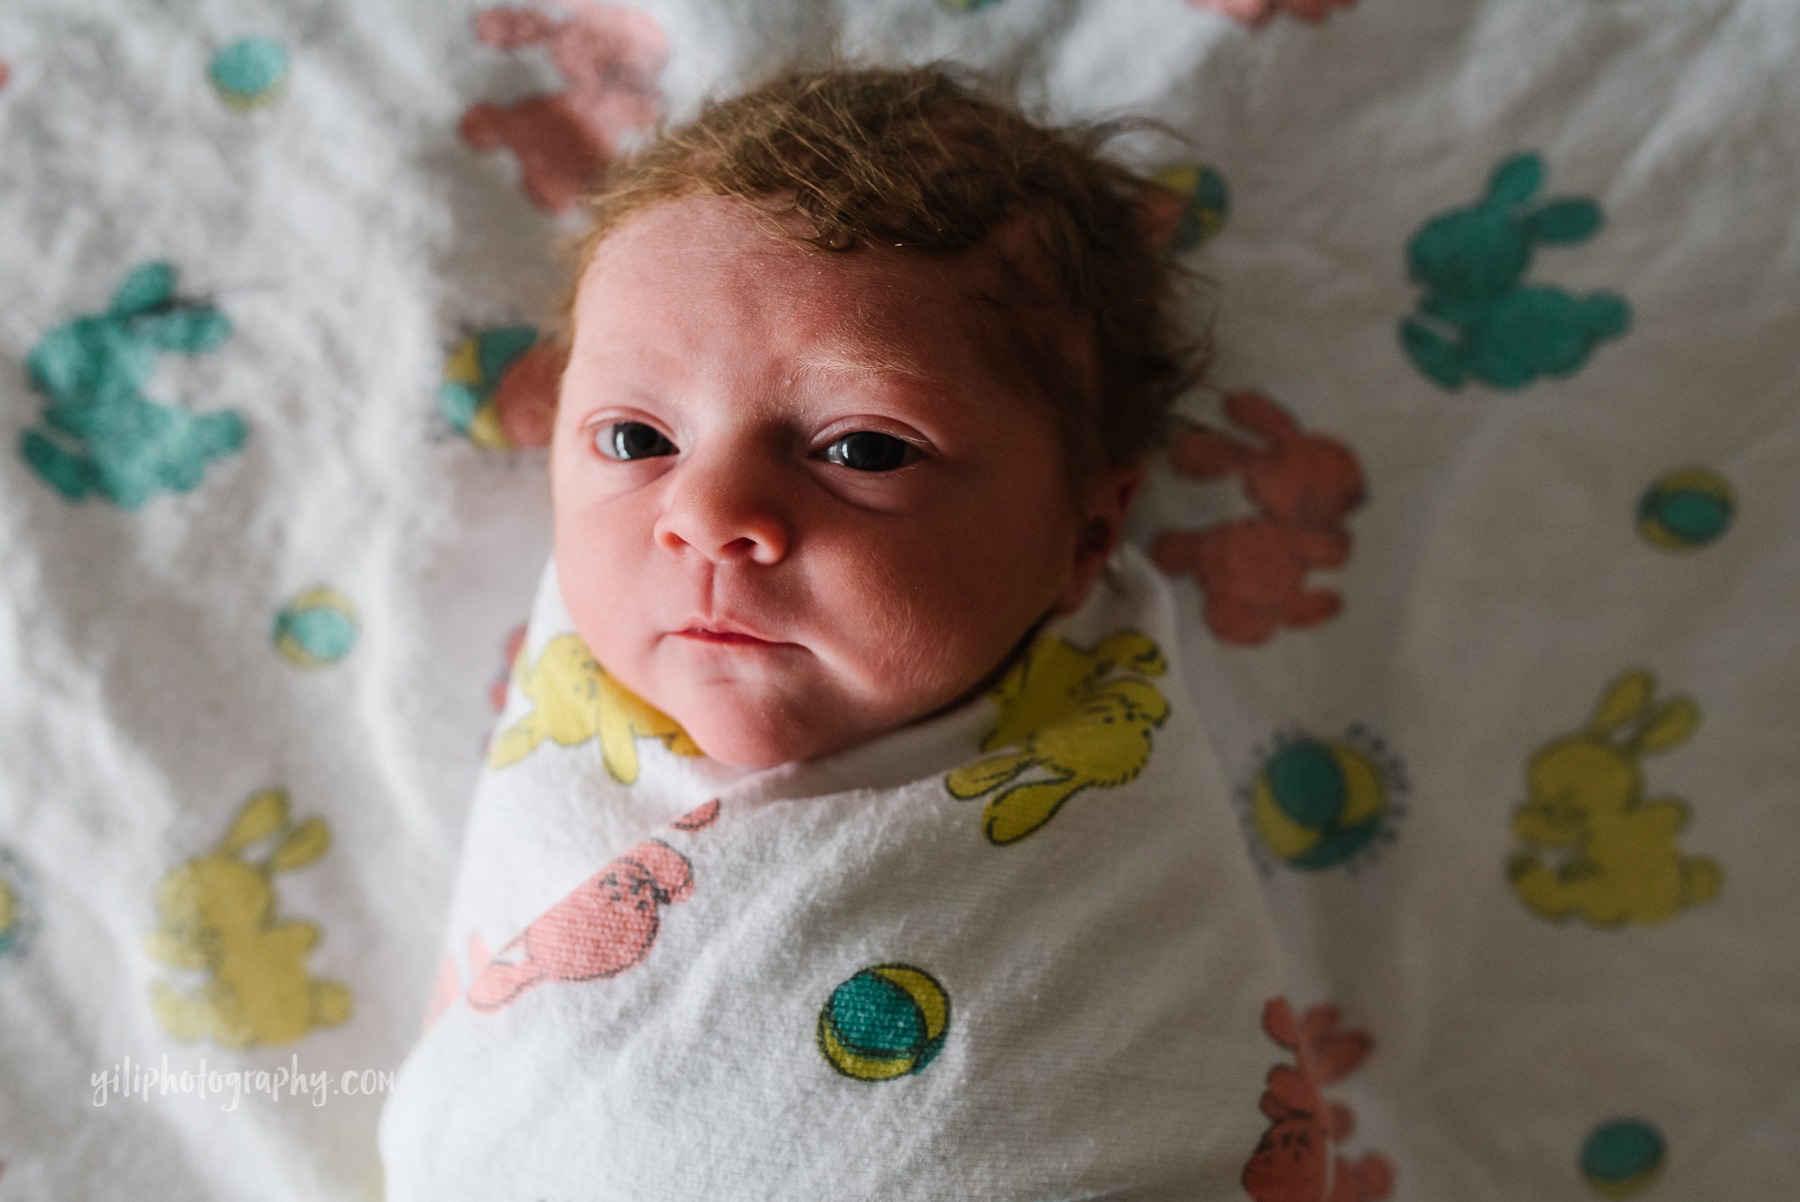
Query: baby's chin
[{"x": 757, "y": 739}]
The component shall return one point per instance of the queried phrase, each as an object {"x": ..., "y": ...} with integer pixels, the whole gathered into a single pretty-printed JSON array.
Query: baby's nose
[{"x": 725, "y": 511}]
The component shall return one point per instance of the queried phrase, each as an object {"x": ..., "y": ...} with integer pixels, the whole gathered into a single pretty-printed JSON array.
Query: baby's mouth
[{"x": 725, "y": 638}]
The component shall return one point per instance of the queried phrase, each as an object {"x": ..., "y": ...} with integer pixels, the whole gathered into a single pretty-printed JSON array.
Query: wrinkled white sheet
[{"x": 1532, "y": 576}]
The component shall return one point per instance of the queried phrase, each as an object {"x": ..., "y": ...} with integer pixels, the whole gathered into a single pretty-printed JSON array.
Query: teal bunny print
[
  {"x": 1477, "y": 318},
  {"x": 100, "y": 434}
]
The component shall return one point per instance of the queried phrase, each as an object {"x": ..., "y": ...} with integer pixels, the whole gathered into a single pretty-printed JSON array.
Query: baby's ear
[
  {"x": 525, "y": 400},
  {"x": 1108, "y": 502}
]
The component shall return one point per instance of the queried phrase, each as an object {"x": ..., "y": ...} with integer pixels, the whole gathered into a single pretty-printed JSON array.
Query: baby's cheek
[
  {"x": 931, "y": 655},
  {"x": 603, "y": 613}
]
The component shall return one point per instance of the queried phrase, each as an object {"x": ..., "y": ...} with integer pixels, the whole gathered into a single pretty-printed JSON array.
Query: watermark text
[{"x": 140, "y": 1082}]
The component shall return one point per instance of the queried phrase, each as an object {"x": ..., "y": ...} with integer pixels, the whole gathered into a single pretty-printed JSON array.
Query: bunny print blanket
[
  {"x": 1483, "y": 680},
  {"x": 1001, "y": 945}
]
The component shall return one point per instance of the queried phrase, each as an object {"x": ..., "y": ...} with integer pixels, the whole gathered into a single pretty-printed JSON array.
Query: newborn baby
[
  {"x": 848, "y": 832},
  {"x": 806, "y": 499}
]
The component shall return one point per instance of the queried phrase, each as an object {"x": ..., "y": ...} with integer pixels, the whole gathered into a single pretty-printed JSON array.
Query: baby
[
  {"x": 862, "y": 378},
  {"x": 864, "y": 372}
]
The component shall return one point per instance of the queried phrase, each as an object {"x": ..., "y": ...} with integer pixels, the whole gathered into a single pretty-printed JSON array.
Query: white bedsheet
[{"x": 246, "y": 663}]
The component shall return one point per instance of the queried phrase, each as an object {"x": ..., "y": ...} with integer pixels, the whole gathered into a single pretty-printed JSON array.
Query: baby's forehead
[
  {"x": 994, "y": 310},
  {"x": 995, "y": 303}
]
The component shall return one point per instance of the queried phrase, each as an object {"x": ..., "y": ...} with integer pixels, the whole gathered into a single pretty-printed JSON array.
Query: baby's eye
[
  {"x": 632, "y": 440},
  {"x": 868, "y": 451}
]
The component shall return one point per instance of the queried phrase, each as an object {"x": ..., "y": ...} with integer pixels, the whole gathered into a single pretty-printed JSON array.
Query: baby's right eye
[{"x": 632, "y": 440}]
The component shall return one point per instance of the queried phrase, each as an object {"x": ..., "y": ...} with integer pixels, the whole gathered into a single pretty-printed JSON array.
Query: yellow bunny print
[
  {"x": 1082, "y": 716},
  {"x": 217, "y": 913},
  {"x": 1595, "y": 847},
  {"x": 576, "y": 699}
]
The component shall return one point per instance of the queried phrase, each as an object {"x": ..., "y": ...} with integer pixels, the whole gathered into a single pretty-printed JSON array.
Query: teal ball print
[
  {"x": 1621, "y": 1157},
  {"x": 316, "y": 629},
  {"x": 250, "y": 73},
  {"x": 473, "y": 380},
  {"x": 1205, "y": 203},
  {"x": 1320, "y": 803},
  {"x": 1686, "y": 510},
  {"x": 887, "y": 1021}
]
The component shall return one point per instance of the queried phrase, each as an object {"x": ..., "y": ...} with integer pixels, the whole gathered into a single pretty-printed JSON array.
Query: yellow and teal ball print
[
  {"x": 1621, "y": 1157},
  {"x": 1319, "y": 803},
  {"x": 18, "y": 909},
  {"x": 316, "y": 629},
  {"x": 1207, "y": 203},
  {"x": 1686, "y": 510},
  {"x": 250, "y": 73},
  {"x": 465, "y": 399},
  {"x": 887, "y": 1021}
]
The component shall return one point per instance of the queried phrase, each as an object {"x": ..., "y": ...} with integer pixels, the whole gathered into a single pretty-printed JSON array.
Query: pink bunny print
[
  {"x": 1293, "y": 1162},
  {"x": 605, "y": 926},
  {"x": 608, "y": 56},
  {"x": 1253, "y": 570}
]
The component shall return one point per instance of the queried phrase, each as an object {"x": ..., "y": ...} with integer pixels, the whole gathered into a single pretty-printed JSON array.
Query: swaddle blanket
[{"x": 1000, "y": 954}]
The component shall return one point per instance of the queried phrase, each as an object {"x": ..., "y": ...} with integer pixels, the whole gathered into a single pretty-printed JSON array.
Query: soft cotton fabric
[{"x": 1071, "y": 966}]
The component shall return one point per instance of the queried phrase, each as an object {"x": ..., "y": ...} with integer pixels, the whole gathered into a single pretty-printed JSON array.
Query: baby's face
[{"x": 800, "y": 498}]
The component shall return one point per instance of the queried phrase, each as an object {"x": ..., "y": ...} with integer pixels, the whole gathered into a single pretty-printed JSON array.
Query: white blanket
[{"x": 1000, "y": 954}]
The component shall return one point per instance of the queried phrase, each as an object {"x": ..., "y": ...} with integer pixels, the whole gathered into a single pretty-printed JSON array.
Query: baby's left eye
[
  {"x": 869, "y": 451},
  {"x": 632, "y": 440}
]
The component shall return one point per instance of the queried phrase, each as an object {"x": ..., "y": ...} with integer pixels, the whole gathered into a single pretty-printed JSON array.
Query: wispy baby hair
[{"x": 921, "y": 158}]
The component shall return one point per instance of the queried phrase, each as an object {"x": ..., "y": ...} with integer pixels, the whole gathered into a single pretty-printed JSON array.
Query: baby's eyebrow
[{"x": 842, "y": 358}]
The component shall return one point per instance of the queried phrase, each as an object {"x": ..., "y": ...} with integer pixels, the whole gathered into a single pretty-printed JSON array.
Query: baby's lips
[
  {"x": 721, "y": 629},
  {"x": 727, "y": 638}
]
